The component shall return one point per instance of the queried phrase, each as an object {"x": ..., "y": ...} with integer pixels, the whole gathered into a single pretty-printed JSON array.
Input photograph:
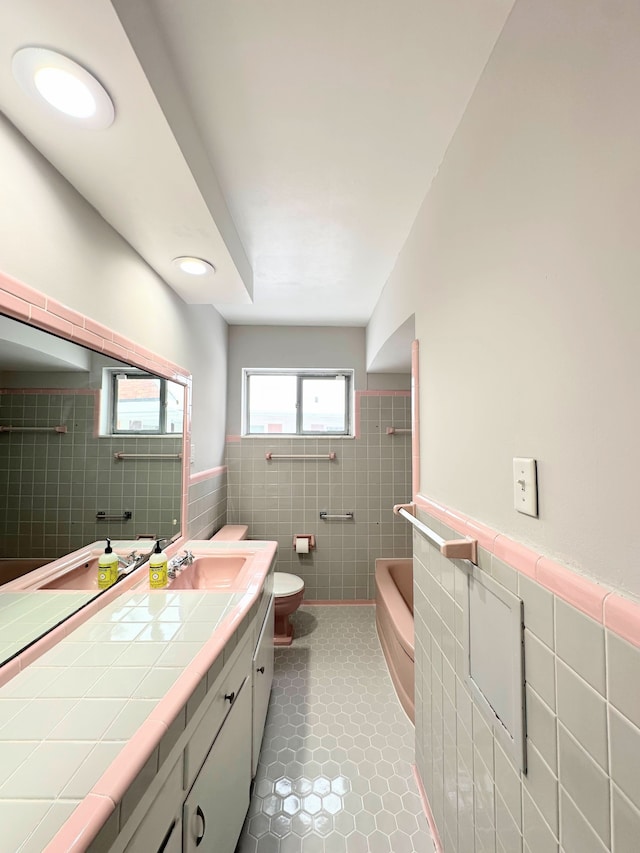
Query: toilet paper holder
[{"x": 311, "y": 541}]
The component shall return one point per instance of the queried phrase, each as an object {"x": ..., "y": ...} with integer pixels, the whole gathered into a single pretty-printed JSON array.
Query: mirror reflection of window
[{"x": 146, "y": 404}]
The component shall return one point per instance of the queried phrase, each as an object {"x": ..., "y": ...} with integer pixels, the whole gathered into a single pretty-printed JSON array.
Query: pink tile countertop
[{"x": 77, "y": 725}]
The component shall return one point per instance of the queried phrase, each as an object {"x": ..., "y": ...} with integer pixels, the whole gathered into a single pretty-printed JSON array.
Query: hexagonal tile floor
[{"x": 335, "y": 772}]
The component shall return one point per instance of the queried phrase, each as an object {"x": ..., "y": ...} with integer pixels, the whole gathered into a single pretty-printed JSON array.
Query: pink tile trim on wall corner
[
  {"x": 582, "y": 593},
  {"x": 209, "y": 474},
  {"x": 233, "y": 439},
  {"x": 521, "y": 558},
  {"x": 427, "y": 811},
  {"x": 415, "y": 417},
  {"x": 436, "y": 510},
  {"x": 622, "y": 617}
]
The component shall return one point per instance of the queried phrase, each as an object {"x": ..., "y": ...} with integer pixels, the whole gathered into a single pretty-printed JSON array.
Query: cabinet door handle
[
  {"x": 200, "y": 836},
  {"x": 260, "y": 669},
  {"x": 230, "y": 696}
]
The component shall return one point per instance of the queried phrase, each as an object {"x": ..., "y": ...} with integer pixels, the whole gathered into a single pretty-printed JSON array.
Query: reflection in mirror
[{"x": 90, "y": 447}]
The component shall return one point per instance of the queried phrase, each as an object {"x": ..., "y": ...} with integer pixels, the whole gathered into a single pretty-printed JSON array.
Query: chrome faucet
[
  {"x": 176, "y": 563},
  {"x": 125, "y": 563}
]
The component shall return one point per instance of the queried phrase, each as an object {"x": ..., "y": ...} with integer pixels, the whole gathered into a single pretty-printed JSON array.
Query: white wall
[
  {"x": 53, "y": 240},
  {"x": 290, "y": 347},
  {"x": 523, "y": 270}
]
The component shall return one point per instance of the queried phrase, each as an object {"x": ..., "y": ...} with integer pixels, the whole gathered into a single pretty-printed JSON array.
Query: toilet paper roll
[{"x": 302, "y": 546}]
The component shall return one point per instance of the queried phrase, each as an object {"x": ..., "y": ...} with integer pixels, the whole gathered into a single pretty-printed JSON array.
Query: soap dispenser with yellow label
[
  {"x": 107, "y": 567},
  {"x": 158, "y": 568}
]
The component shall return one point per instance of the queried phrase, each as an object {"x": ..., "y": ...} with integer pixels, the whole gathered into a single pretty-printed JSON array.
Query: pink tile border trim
[
  {"x": 209, "y": 474},
  {"x": 82, "y": 826},
  {"x": 622, "y": 617},
  {"x": 25, "y": 303},
  {"x": 581, "y": 592},
  {"x": 232, "y": 439},
  {"x": 427, "y": 811},
  {"x": 415, "y": 416},
  {"x": 619, "y": 614}
]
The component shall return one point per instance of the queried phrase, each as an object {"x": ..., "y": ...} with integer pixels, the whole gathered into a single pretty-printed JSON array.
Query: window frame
[
  {"x": 301, "y": 374},
  {"x": 161, "y": 432}
]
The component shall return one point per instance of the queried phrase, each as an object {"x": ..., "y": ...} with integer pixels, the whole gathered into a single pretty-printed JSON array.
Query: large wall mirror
[{"x": 90, "y": 448}]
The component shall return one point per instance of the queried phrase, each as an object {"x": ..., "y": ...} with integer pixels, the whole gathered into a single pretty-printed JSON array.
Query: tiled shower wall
[
  {"x": 52, "y": 485},
  {"x": 280, "y": 498},
  {"x": 207, "y": 506},
  {"x": 581, "y": 792}
]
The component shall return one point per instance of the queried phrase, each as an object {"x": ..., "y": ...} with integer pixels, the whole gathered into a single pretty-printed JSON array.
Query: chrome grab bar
[{"x": 347, "y": 516}]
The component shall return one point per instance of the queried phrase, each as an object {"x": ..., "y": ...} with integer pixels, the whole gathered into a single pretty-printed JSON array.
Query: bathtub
[{"x": 394, "y": 621}]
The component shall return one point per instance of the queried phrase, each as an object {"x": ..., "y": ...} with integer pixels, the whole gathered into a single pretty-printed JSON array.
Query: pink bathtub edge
[{"x": 394, "y": 623}]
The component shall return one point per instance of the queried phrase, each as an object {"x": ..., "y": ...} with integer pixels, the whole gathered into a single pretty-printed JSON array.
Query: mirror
[{"x": 66, "y": 480}]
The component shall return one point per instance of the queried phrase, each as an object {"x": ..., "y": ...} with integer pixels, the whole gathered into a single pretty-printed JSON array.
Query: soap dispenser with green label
[
  {"x": 158, "y": 568},
  {"x": 107, "y": 567}
]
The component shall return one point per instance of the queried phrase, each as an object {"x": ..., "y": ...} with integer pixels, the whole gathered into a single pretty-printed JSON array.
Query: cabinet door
[
  {"x": 160, "y": 828},
  {"x": 217, "y": 804},
  {"x": 262, "y": 678}
]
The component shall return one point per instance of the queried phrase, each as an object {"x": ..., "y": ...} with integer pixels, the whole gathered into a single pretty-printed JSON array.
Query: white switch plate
[{"x": 525, "y": 486}]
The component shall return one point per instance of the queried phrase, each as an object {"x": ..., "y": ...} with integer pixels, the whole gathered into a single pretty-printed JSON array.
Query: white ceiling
[{"x": 289, "y": 142}]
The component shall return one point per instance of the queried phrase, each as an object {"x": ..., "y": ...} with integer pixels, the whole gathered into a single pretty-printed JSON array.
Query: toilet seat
[{"x": 285, "y": 584}]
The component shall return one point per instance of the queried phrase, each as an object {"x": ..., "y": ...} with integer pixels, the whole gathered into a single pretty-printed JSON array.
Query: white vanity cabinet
[
  {"x": 262, "y": 679},
  {"x": 161, "y": 828},
  {"x": 216, "y": 805},
  {"x": 199, "y": 795}
]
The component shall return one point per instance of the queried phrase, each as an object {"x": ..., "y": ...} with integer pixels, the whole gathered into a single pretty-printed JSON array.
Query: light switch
[{"x": 525, "y": 486}]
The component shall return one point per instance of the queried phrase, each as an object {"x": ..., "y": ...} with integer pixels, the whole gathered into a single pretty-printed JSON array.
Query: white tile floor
[{"x": 335, "y": 772}]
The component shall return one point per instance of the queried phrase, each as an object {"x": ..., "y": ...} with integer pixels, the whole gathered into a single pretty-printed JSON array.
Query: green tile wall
[
  {"x": 281, "y": 498},
  {"x": 52, "y": 485}
]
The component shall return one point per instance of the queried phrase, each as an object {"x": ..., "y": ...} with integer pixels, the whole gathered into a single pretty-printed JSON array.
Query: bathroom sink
[
  {"x": 213, "y": 571},
  {"x": 83, "y": 576}
]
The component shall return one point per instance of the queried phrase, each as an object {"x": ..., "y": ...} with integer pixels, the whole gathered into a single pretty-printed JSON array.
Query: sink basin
[
  {"x": 214, "y": 571},
  {"x": 84, "y": 576}
]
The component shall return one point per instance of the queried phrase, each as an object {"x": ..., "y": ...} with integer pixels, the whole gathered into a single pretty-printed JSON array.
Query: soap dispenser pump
[
  {"x": 107, "y": 567},
  {"x": 158, "y": 568}
]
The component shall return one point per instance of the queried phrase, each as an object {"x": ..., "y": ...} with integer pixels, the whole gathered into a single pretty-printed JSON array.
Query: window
[
  {"x": 143, "y": 404},
  {"x": 297, "y": 402}
]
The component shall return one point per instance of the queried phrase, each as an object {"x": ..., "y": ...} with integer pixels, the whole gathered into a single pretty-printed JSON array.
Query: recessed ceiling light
[
  {"x": 194, "y": 266},
  {"x": 64, "y": 85}
]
